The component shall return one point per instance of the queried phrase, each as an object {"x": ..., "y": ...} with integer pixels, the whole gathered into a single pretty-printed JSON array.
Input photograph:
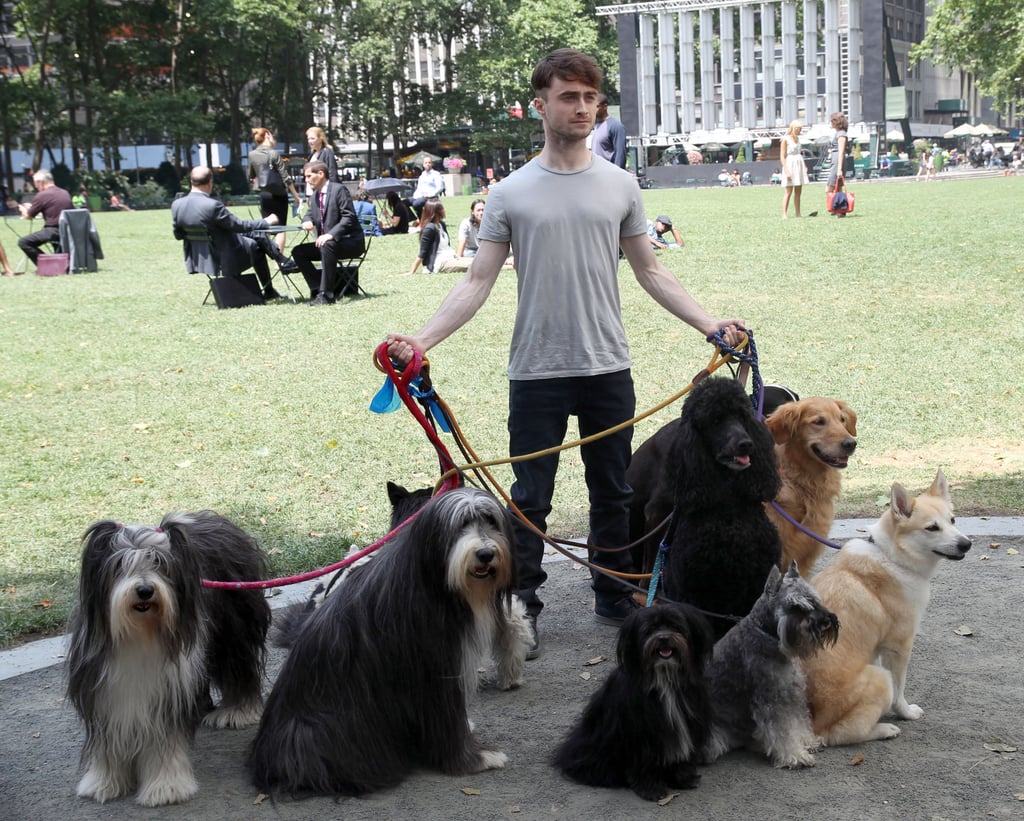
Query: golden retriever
[{"x": 814, "y": 439}]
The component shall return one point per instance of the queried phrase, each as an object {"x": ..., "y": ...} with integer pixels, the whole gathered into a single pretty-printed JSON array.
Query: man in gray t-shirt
[{"x": 565, "y": 215}]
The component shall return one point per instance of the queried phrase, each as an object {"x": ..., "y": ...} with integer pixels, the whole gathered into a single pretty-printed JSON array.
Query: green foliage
[
  {"x": 150, "y": 194},
  {"x": 985, "y": 37},
  {"x": 124, "y": 397},
  {"x": 235, "y": 178}
]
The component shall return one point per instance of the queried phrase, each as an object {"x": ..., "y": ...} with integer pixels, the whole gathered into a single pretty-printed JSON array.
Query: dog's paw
[
  {"x": 170, "y": 788},
  {"x": 100, "y": 787},
  {"x": 795, "y": 761},
  {"x": 234, "y": 717},
  {"x": 883, "y": 731},
  {"x": 910, "y": 712},
  {"x": 492, "y": 760}
]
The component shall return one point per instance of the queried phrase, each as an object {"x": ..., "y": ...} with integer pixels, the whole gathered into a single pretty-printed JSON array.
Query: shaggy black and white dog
[
  {"x": 722, "y": 469},
  {"x": 756, "y": 678},
  {"x": 378, "y": 680},
  {"x": 148, "y": 640},
  {"x": 646, "y": 725}
]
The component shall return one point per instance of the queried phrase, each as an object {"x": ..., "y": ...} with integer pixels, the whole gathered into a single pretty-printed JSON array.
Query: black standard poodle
[{"x": 721, "y": 542}]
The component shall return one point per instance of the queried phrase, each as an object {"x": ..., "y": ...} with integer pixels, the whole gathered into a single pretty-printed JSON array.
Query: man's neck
[{"x": 560, "y": 155}]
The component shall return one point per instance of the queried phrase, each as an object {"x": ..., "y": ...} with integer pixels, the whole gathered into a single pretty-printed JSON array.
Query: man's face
[
  {"x": 315, "y": 179},
  {"x": 428, "y": 164},
  {"x": 569, "y": 109}
]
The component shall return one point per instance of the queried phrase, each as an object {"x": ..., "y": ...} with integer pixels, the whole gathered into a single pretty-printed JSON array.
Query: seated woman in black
[
  {"x": 436, "y": 254},
  {"x": 397, "y": 219}
]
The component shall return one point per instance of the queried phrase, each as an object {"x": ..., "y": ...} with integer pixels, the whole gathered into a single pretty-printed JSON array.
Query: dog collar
[{"x": 774, "y": 639}]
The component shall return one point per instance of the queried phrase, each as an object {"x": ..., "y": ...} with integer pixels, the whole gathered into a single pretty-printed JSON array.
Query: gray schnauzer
[{"x": 756, "y": 681}]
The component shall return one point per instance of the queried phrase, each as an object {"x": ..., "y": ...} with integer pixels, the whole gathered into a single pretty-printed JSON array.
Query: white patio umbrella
[
  {"x": 962, "y": 130},
  {"x": 983, "y": 130},
  {"x": 894, "y": 136}
]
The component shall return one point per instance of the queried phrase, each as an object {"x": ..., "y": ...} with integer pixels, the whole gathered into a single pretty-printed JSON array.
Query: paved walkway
[{"x": 39, "y": 655}]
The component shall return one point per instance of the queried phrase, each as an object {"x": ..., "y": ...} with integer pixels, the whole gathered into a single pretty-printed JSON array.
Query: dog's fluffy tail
[{"x": 289, "y": 623}]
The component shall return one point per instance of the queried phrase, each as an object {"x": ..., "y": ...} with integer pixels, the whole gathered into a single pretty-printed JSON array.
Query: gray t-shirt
[{"x": 564, "y": 228}]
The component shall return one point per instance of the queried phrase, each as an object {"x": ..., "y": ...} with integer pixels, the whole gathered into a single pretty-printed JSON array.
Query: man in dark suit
[
  {"x": 233, "y": 250},
  {"x": 332, "y": 218}
]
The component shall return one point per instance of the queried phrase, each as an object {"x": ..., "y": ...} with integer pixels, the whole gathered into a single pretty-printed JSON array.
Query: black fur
[
  {"x": 377, "y": 682},
  {"x": 723, "y": 544},
  {"x": 645, "y": 726},
  {"x": 652, "y": 479}
]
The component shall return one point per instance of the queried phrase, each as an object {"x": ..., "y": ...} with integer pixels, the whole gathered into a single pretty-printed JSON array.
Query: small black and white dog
[
  {"x": 378, "y": 679},
  {"x": 650, "y": 718},
  {"x": 148, "y": 640},
  {"x": 758, "y": 683}
]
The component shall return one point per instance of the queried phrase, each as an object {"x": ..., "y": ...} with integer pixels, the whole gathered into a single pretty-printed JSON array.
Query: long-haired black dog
[
  {"x": 289, "y": 622},
  {"x": 722, "y": 544},
  {"x": 377, "y": 681},
  {"x": 646, "y": 725},
  {"x": 148, "y": 640}
]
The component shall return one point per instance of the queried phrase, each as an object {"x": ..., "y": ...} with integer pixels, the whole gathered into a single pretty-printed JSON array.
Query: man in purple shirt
[{"x": 50, "y": 201}]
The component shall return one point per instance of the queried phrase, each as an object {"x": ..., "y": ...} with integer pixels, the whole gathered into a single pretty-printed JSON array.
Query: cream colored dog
[
  {"x": 879, "y": 589},
  {"x": 814, "y": 439}
]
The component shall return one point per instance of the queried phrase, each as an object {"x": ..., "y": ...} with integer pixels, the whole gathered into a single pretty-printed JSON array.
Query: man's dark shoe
[
  {"x": 534, "y": 649},
  {"x": 614, "y": 611},
  {"x": 321, "y": 299},
  {"x": 270, "y": 293},
  {"x": 289, "y": 266}
]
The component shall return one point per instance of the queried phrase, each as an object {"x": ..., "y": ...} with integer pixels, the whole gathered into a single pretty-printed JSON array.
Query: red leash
[{"x": 402, "y": 382}]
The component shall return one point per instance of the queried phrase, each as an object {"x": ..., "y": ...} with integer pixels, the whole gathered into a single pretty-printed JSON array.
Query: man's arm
[
  {"x": 662, "y": 285},
  {"x": 460, "y": 306},
  {"x": 348, "y": 222},
  {"x": 619, "y": 140}
]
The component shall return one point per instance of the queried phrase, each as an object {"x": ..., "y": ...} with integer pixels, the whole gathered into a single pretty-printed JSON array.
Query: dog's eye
[
  {"x": 820, "y": 420},
  {"x": 933, "y": 527}
]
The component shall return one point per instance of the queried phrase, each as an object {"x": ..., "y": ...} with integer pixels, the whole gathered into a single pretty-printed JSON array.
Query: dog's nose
[
  {"x": 744, "y": 447},
  {"x": 849, "y": 445},
  {"x": 964, "y": 544},
  {"x": 144, "y": 591},
  {"x": 485, "y": 555}
]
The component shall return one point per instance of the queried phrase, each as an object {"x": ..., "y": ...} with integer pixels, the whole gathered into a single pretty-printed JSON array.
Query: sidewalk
[{"x": 959, "y": 761}]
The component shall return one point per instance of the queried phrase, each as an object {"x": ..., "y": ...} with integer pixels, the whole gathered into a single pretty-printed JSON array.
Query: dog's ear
[
  {"x": 793, "y": 572},
  {"x": 849, "y": 417},
  {"x": 774, "y": 581},
  {"x": 940, "y": 487},
  {"x": 396, "y": 493},
  {"x": 100, "y": 536},
  {"x": 901, "y": 504},
  {"x": 783, "y": 423}
]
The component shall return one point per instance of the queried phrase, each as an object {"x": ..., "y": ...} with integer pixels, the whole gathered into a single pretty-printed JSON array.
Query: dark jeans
[
  {"x": 32, "y": 244},
  {"x": 539, "y": 412},
  {"x": 326, "y": 280}
]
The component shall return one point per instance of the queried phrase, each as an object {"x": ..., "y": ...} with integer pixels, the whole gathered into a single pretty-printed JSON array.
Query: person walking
[
  {"x": 566, "y": 213},
  {"x": 270, "y": 177},
  {"x": 321, "y": 151},
  {"x": 794, "y": 170}
]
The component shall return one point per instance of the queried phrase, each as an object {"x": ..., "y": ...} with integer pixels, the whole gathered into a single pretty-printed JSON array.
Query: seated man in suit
[
  {"x": 332, "y": 218},
  {"x": 233, "y": 248}
]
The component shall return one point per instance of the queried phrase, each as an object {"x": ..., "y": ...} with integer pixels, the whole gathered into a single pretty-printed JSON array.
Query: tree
[{"x": 984, "y": 37}]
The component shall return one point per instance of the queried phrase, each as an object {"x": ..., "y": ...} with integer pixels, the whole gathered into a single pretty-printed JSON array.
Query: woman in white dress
[{"x": 794, "y": 172}]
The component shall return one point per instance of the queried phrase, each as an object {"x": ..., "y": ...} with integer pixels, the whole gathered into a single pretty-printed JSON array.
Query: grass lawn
[{"x": 124, "y": 397}]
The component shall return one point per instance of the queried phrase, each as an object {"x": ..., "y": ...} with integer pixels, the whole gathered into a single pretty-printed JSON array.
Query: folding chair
[
  {"x": 201, "y": 258},
  {"x": 348, "y": 267}
]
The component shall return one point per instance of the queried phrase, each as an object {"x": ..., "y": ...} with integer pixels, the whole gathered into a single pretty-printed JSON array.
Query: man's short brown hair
[
  {"x": 569, "y": 65},
  {"x": 315, "y": 165}
]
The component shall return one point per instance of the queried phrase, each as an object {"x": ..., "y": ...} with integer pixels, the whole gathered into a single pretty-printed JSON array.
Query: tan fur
[
  {"x": 879, "y": 589},
  {"x": 803, "y": 430}
]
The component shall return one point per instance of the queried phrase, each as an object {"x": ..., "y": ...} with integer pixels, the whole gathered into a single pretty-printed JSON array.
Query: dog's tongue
[
  {"x": 743, "y": 460},
  {"x": 665, "y": 652}
]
